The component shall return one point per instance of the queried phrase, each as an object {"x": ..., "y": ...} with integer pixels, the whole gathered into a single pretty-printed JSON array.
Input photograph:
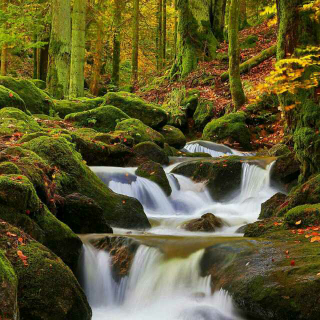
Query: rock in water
[{"x": 207, "y": 223}]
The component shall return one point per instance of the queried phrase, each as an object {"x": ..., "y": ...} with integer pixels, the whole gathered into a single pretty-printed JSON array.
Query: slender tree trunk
[
  {"x": 175, "y": 27},
  {"x": 97, "y": 62},
  {"x": 218, "y": 12},
  {"x": 159, "y": 36},
  {"x": 164, "y": 32},
  {"x": 116, "y": 43},
  {"x": 4, "y": 58},
  {"x": 243, "y": 14},
  {"x": 238, "y": 96},
  {"x": 35, "y": 59},
  {"x": 78, "y": 49},
  {"x": 135, "y": 41},
  {"x": 58, "y": 79},
  {"x": 44, "y": 59}
]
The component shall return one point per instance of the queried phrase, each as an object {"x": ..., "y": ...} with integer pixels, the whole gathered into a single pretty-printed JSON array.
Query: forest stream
[{"x": 165, "y": 281}]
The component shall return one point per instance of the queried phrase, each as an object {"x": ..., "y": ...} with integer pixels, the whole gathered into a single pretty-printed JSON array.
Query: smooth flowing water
[{"x": 163, "y": 286}]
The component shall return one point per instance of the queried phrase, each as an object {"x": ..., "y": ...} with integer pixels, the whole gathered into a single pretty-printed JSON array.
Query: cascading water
[
  {"x": 156, "y": 288},
  {"x": 163, "y": 286}
]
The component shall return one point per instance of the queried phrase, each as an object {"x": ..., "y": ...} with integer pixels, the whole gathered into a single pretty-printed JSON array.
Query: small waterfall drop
[{"x": 156, "y": 288}]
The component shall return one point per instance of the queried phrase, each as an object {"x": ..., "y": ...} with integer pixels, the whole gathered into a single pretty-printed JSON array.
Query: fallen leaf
[
  {"x": 314, "y": 239},
  {"x": 298, "y": 222},
  {"x": 292, "y": 263}
]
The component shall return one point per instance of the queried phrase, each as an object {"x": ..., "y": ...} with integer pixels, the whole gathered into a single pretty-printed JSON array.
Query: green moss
[
  {"x": 150, "y": 114},
  {"x": 9, "y": 98},
  {"x": 102, "y": 119},
  {"x": 249, "y": 42},
  {"x": 36, "y": 100},
  {"x": 149, "y": 151},
  {"x": 177, "y": 115},
  {"x": 9, "y": 289},
  {"x": 140, "y": 132},
  {"x": 31, "y": 136},
  {"x": 65, "y": 107},
  {"x": 203, "y": 114},
  {"x": 229, "y": 127},
  {"x": 73, "y": 176},
  {"x": 173, "y": 137},
  {"x": 39, "y": 83},
  {"x": 309, "y": 215},
  {"x": 9, "y": 168},
  {"x": 154, "y": 172}
]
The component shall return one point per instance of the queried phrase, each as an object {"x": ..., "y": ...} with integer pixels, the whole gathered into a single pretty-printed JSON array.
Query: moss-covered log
[{"x": 253, "y": 62}]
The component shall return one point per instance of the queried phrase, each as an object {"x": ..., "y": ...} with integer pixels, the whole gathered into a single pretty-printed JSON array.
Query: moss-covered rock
[
  {"x": 65, "y": 107},
  {"x": 230, "y": 128},
  {"x": 140, "y": 132},
  {"x": 270, "y": 207},
  {"x": 177, "y": 116},
  {"x": 307, "y": 193},
  {"x": 47, "y": 289},
  {"x": 222, "y": 177},
  {"x": 39, "y": 83},
  {"x": 191, "y": 101},
  {"x": 83, "y": 215},
  {"x": 36, "y": 100},
  {"x": 207, "y": 223},
  {"x": 174, "y": 137},
  {"x": 73, "y": 176},
  {"x": 303, "y": 216},
  {"x": 9, "y": 289},
  {"x": 21, "y": 207},
  {"x": 102, "y": 119},
  {"x": 203, "y": 114},
  {"x": 9, "y": 168},
  {"x": 263, "y": 281},
  {"x": 14, "y": 120},
  {"x": 148, "y": 151},
  {"x": 154, "y": 172},
  {"x": 9, "y": 98},
  {"x": 150, "y": 114}
]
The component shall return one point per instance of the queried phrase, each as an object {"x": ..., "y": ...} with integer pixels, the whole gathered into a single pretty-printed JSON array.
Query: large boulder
[
  {"x": 203, "y": 114},
  {"x": 9, "y": 98},
  {"x": 83, "y": 215},
  {"x": 20, "y": 206},
  {"x": 73, "y": 176},
  {"x": 174, "y": 137},
  {"x": 222, "y": 176},
  {"x": 150, "y": 114},
  {"x": 47, "y": 289},
  {"x": 140, "y": 132},
  {"x": 145, "y": 151},
  {"x": 270, "y": 207},
  {"x": 230, "y": 129},
  {"x": 207, "y": 223},
  {"x": 154, "y": 172},
  {"x": 303, "y": 216},
  {"x": 36, "y": 100},
  {"x": 65, "y": 107},
  {"x": 102, "y": 119},
  {"x": 13, "y": 120},
  {"x": 9, "y": 289}
]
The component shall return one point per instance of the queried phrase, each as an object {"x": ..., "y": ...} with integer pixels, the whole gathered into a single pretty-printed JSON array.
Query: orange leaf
[
  {"x": 298, "y": 222},
  {"x": 314, "y": 239}
]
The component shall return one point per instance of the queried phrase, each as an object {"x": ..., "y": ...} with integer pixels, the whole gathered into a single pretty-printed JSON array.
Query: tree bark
[
  {"x": 164, "y": 32},
  {"x": 175, "y": 27},
  {"x": 238, "y": 96},
  {"x": 60, "y": 49},
  {"x": 4, "y": 58},
  {"x": 44, "y": 59},
  {"x": 97, "y": 62},
  {"x": 78, "y": 49},
  {"x": 195, "y": 36},
  {"x": 135, "y": 41},
  {"x": 218, "y": 12}
]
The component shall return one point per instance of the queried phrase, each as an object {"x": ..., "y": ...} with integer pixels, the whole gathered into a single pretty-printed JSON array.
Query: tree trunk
[
  {"x": 297, "y": 31},
  {"x": 135, "y": 41},
  {"x": 78, "y": 49},
  {"x": 116, "y": 43},
  {"x": 195, "y": 36},
  {"x": 97, "y": 62},
  {"x": 218, "y": 12},
  {"x": 160, "y": 51},
  {"x": 44, "y": 59},
  {"x": 4, "y": 58},
  {"x": 238, "y": 96},
  {"x": 175, "y": 27},
  {"x": 164, "y": 32},
  {"x": 243, "y": 14},
  {"x": 60, "y": 49}
]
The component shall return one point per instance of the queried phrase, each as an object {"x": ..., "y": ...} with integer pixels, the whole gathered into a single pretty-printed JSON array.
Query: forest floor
[{"x": 207, "y": 80}]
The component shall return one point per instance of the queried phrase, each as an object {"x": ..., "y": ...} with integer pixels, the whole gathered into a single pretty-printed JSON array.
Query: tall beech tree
[
  {"x": 135, "y": 40},
  {"x": 78, "y": 49},
  {"x": 118, "y": 5},
  {"x": 238, "y": 96},
  {"x": 164, "y": 32},
  {"x": 58, "y": 79}
]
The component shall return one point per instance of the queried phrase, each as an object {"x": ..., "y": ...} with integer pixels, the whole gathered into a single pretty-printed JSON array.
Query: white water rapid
[{"x": 162, "y": 283}]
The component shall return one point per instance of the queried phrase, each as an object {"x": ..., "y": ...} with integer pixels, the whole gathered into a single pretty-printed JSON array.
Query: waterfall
[{"x": 156, "y": 288}]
